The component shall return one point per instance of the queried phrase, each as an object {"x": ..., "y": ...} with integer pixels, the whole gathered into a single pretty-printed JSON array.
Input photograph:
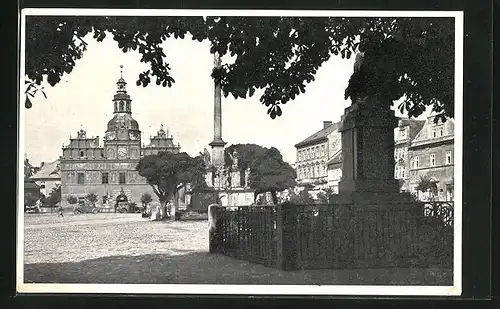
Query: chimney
[{"x": 326, "y": 124}]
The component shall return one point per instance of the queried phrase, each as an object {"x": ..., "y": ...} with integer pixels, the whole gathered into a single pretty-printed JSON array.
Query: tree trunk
[
  {"x": 163, "y": 211},
  {"x": 176, "y": 204}
]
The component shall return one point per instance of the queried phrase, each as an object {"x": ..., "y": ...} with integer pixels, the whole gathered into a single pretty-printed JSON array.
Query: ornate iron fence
[
  {"x": 247, "y": 233},
  {"x": 293, "y": 237}
]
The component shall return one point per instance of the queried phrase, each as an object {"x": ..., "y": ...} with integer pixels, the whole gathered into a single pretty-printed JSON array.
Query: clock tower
[{"x": 123, "y": 137}]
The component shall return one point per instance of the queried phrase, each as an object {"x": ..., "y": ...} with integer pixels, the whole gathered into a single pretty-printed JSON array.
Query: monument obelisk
[{"x": 217, "y": 144}]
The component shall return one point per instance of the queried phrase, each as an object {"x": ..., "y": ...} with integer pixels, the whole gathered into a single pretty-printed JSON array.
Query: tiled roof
[
  {"x": 321, "y": 134},
  {"x": 337, "y": 158},
  {"x": 415, "y": 127},
  {"x": 422, "y": 137},
  {"x": 31, "y": 185},
  {"x": 48, "y": 170}
]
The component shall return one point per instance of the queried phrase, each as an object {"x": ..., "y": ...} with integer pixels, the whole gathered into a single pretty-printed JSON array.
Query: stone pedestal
[
  {"x": 218, "y": 151},
  {"x": 368, "y": 154}
]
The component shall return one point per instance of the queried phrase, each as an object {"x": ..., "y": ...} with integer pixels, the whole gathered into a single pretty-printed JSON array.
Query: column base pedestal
[{"x": 371, "y": 197}]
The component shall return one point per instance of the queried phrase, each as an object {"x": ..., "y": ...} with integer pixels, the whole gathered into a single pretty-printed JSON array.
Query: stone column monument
[
  {"x": 368, "y": 151},
  {"x": 217, "y": 144}
]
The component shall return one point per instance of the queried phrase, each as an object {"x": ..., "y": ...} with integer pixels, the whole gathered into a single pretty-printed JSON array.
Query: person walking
[{"x": 60, "y": 211}]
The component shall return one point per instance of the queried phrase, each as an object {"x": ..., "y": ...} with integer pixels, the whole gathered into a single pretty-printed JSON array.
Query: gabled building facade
[
  {"x": 48, "y": 177},
  {"x": 421, "y": 148},
  {"x": 86, "y": 166},
  {"x": 431, "y": 156},
  {"x": 314, "y": 152},
  {"x": 403, "y": 135}
]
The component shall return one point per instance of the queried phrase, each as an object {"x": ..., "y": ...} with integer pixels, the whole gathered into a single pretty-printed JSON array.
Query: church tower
[{"x": 123, "y": 137}]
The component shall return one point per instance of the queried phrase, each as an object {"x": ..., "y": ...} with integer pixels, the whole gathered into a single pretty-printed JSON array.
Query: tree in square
[
  {"x": 166, "y": 171},
  {"x": 268, "y": 171}
]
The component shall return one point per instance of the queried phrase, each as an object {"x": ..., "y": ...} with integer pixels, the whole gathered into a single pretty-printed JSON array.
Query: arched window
[
  {"x": 116, "y": 106},
  {"x": 121, "y": 106},
  {"x": 128, "y": 106}
]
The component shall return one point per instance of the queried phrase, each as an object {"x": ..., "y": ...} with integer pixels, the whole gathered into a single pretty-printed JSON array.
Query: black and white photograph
[{"x": 240, "y": 152}]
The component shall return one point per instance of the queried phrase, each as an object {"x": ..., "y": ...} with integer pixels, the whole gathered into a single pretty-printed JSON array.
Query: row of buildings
[
  {"x": 109, "y": 169},
  {"x": 422, "y": 149}
]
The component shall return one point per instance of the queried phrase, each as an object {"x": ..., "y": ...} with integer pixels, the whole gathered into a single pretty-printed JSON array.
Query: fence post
[
  {"x": 286, "y": 232},
  {"x": 213, "y": 232}
]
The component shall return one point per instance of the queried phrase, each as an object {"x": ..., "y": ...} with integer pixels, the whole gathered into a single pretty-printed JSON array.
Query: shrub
[
  {"x": 72, "y": 199},
  {"x": 92, "y": 198},
  {"x": 303, "y": 198},
  {"x": 30, "y": 199},
  {"x": 146, "y": 199}
]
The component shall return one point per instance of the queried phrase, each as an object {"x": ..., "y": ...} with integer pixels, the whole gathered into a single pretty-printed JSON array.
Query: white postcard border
[{"x": 392, "y": 290}]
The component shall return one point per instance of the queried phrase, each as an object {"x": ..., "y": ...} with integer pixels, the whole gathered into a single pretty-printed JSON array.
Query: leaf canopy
[
  {"x": 410, "y": 58},
  {"x": 166, "y": 170},
  {"x": 268, "y": 171}
]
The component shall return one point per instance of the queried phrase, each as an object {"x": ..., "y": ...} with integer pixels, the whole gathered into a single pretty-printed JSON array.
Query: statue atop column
[
  {"x": 217, "y": 61},
  {"x": 235, "y": 159}
]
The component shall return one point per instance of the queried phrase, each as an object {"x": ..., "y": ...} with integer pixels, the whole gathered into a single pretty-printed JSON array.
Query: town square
[{"x": 165, "y": 154}]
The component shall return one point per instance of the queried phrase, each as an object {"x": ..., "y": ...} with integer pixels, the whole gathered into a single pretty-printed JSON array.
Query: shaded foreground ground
[{"x": 124, "y": 248}]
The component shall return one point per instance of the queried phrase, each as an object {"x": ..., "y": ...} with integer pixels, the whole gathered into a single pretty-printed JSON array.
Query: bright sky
[{"x": 83, "y": 100}]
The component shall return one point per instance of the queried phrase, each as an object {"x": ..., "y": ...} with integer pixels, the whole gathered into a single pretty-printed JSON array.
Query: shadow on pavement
[{"x": 206, "y": 268}]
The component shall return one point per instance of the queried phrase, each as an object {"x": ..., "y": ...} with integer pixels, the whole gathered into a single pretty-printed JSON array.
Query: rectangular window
[
  {"x": 81, "y": 178},
  {"x": 433, "y": 159},
  {"x": 403, "y": 172},
  {"x": 448, "y": 157},
  {"x": 105, "y": 177},
  {"x": 440, "y": 132},
  {"x": 415, "y": 162},
  {"x": 433, "y": 133},
  {"x": 122, "y": 178}
]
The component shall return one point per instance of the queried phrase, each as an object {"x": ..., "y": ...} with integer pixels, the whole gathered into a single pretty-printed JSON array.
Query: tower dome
[
  {"x": 122, "y": 121},
  {"x": 122, "y": 118}
]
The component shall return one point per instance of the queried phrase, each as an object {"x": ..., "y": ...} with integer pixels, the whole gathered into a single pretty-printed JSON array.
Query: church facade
[{"x": 106, "y": 170}]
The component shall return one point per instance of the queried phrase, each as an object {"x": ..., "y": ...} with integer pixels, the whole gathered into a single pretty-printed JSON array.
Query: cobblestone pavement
[{"x": 125, "y": 248}]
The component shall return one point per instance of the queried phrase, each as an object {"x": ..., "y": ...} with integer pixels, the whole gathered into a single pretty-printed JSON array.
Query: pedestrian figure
[{"x": 60, "y": 209}]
